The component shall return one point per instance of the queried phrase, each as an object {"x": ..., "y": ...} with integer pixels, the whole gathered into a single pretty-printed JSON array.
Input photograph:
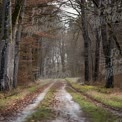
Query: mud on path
[
  {"x": 22, "y": 108},
  {"x": 65, "y": 108}
]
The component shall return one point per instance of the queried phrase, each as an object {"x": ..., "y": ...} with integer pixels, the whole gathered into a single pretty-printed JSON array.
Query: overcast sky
[{"x": 67, "y": 10}]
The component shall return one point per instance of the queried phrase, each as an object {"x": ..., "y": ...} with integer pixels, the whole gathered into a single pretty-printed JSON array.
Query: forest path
[
  {"x": 29, "y": 109},
  {"x": 66, "y": 109}
]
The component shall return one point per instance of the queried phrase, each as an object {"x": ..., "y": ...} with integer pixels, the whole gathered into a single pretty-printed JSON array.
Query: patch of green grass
[
  {"x": 111, "y": 100},
  {"x": 106, "y": 96},
  {"x": 41, "y": 115},
  {"x": 83, "y": 88},
  {"x": 32, "y": 89},
  {"x": 104, "y": 90},
  {"x": 86, "y": 88},
  {"x": 43, "y": 111},
  {"x": 93, "y": 112}
]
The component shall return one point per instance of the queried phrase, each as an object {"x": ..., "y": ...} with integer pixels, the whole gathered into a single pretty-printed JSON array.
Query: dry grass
[{"x": 8, "y": 98}]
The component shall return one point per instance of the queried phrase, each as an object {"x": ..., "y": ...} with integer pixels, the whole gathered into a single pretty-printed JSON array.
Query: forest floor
[{"x": 62, "y": 101}]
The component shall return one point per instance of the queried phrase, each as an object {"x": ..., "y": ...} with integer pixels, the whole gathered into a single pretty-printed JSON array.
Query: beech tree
[{"x": 8, "y": 38}]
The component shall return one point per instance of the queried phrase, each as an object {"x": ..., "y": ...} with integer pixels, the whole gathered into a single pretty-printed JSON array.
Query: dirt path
[
  {"x": 29, "y": 109},
  {"x": 66, "y": 109}
]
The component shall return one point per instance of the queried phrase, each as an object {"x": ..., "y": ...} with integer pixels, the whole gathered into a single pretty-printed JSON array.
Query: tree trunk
[
  {"x": 107, "y": 47},
  {"x": 5, "y": 69},
  {"x": 107, "y": 39},
  {"x": 97, "y": 57},
  {"x": 86, "y": 41}
]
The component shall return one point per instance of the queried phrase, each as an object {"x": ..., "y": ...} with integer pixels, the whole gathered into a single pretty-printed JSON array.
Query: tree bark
[{"x": 86, "y": 40}]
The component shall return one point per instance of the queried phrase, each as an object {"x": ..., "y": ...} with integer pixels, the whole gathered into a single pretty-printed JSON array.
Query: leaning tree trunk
[
  {"x": 16, "y": 57},
  {"x": 17, "y": 44}
]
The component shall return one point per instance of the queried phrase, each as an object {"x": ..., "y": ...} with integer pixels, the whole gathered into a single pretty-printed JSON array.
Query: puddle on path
[
  {"x": 30, "y": 108},
  {"x": 67, "y": 110}
]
